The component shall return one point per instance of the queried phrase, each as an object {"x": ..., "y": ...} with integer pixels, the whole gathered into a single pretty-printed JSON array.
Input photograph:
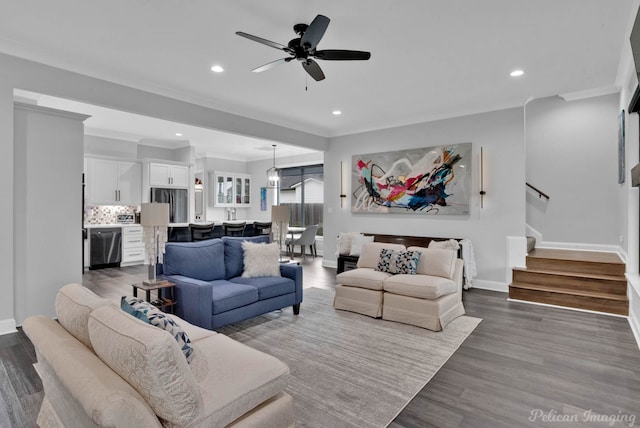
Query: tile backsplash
[{"x": 106, "y": 214}]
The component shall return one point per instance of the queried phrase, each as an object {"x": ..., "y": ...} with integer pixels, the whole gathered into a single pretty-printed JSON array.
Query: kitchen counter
[{"x": 103, "y": 226}]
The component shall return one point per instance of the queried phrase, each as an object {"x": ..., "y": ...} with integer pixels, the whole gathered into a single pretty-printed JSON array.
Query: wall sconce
[
  {"x": 482, "y": 192},
  {"x": 342, "y": 194}
]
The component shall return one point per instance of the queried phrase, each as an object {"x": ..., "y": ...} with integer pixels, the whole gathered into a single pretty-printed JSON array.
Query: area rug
[{"x": 349, "y": 370}]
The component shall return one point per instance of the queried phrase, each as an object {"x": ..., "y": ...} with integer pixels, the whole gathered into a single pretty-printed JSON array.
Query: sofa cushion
[
  {"x": 228, "y": 295},
  {"x": 150, "y": 360},
  {"x": 393, "y": 261},
  {"x": 203, "y": 260},
  {"x": 237, "y": 380},
  {"x": 233, "y": 254},
  {"x": 370, "y": 253},
  {"x": 269, "y": 286},
  {"x": 363, "y": 278},
  {"x": 194, "y": 332},
  {"x": 76, "y": 380},
  {"x": 150, "y": 314},
  {"x": 437, "y": 262},
  {"x": 73, "y": 305},
  {"x": 420, "y": 286},
  {"x": 260, "y": 259}
]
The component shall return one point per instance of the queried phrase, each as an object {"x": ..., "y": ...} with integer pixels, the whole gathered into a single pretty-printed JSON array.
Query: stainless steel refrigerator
[{"x": 178, "y": 200}]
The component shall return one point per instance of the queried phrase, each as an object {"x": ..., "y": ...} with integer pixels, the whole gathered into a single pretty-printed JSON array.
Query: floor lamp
[
  {"x": 280, "y": 216},
  {"x": 153, "y": 217}
]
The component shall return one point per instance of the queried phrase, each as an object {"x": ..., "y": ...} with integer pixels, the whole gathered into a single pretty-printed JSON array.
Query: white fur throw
[{"x": 260, "y": 259}]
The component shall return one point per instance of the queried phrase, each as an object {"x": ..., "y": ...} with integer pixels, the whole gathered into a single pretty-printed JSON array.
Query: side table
[{"x": 164, "y": 302}]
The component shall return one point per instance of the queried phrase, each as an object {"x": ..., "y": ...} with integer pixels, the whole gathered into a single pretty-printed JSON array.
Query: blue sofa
[{"x": 210, "y": 291}]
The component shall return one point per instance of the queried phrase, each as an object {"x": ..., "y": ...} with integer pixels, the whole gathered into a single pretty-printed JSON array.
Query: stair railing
[{"x": 541, "y": 194}]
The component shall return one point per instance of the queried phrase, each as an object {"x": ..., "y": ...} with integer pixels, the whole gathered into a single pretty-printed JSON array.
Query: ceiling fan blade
[
  {"x": 341, "y": 55},
  {"x": 313, "y": 69},
  {"x": 271, "y": 64},
  {"x": 314, "y": 32},
  {"x": 263, "y": 41}
]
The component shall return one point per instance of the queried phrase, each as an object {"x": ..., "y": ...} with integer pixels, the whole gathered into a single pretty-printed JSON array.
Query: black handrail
[{"x": 540, "y": 192}]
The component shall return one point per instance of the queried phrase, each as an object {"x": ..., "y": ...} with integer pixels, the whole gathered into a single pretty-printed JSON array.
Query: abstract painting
[{"x": 431, "y": 180}]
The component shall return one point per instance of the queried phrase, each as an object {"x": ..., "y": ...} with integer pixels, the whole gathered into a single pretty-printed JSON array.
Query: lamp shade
[
  {"x": 154, "y": 214},
  {"x": 280, "y": 213}
]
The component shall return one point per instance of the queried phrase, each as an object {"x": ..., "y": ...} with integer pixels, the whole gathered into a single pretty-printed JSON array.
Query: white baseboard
[
  {"x": 7, "y": 326},
  {"x": 330, "y": 263},
  {"x": 490, "y": 285},
  {"x": 634, "y": 323}
]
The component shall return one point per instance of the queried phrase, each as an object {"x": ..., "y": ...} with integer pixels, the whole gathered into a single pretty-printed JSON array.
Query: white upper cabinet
[
  {"x": 113, "y": 182},
  {"x": 163, "y": 175},
  {"x": 230, "y": 190}
]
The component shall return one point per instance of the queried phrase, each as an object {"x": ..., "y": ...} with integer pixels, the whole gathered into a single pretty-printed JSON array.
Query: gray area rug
[{"x": 349, "y": 370}]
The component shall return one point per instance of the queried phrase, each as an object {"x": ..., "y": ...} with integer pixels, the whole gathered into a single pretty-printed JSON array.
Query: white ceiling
[{"x": 430, "y": 58}]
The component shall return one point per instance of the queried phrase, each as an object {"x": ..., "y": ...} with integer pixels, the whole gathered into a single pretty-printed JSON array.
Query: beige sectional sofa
[
  {"x": 430, "y": 298},
  {"x": 101, "y": 367}
]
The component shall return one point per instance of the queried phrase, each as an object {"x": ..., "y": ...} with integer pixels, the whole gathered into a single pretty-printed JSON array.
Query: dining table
[{"x": 292, "y": 231}]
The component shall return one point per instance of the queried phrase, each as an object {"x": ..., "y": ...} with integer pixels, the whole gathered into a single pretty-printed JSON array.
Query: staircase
[{"x": 577, "y": 279}]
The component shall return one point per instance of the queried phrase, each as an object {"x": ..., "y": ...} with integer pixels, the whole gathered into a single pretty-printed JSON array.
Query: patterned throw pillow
[
  {"x": 398, "y": 262},
  {"x": 148, "y": 313}
]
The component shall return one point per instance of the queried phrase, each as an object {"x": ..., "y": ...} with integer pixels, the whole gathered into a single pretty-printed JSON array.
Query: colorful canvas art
[{"x": 430, "y": 180}]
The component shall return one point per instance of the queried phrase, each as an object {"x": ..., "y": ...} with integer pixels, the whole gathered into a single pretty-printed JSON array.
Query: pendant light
[{"x": 272, "y": 173}]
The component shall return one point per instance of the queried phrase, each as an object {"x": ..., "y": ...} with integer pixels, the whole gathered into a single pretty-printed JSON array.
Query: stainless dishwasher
[{"x": 105, "y": 247}]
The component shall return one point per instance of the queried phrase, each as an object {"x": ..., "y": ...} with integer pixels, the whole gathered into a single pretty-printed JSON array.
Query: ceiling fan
[{"x": 303, "y": 48}]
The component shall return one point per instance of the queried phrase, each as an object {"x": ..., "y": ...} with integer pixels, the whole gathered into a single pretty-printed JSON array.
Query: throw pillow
[
  {"x": 148, "y": 313},
  {"x": 126, "y": 304},
  {"x": 449, "y": 244},
  {"x": 260, "y": 259},
  {"x": 398, "y": 262},
  {"x": 344, "y": 242},
  {"x": 357, "y": 242}
]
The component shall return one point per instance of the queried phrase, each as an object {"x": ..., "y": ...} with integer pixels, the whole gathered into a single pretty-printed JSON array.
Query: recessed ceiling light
[
  {"x": 178, "y": 134},
  {"x": 516, "y": 73},
  {"x": 336, "y": 112},
  {"x": 217, "y": 69}
]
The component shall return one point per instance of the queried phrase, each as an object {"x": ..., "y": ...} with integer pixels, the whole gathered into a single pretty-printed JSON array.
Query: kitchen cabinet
[
  {"x": 132, "y": 245},
  {"x": 230, "y": 190},
  {"x": 114, "y": 182},
  {"x": 163, "y": 175}
]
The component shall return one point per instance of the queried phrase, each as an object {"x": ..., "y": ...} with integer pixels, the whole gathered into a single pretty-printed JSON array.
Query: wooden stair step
[
  {"x": 576, "y": 261},
  {"x": 589, "y": 300},
  {"x": 613, "y": 284}
]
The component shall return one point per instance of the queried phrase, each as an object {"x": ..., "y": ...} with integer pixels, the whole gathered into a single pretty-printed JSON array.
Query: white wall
[
  {"x": 47, "y": 205},
  {"x": 628, "y": 199},
  {"x": 110, "y": 147},
  {"x": 501, "y": 134},
  {"x": 572, "y": 155}
]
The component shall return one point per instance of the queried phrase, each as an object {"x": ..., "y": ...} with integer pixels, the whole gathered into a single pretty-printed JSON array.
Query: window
[{"x": 302, "y": 188}]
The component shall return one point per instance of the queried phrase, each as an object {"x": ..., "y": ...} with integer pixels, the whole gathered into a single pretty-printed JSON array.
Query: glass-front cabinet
[{"x": 231, "y": 190}]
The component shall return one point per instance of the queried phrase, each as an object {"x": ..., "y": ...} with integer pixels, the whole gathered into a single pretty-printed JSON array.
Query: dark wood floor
[{"x": 520, "y": 359}]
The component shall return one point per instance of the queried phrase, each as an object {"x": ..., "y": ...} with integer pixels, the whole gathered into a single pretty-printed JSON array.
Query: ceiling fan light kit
[{"x": 303, "y": 48}]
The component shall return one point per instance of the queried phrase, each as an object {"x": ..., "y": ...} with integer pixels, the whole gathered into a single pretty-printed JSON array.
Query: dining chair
[
  {"x": 307, "y": 237},
  {"x": 200, "y": 232},
  {"x": 234, "y": 229},
  {"x": 262, "y": 228}
]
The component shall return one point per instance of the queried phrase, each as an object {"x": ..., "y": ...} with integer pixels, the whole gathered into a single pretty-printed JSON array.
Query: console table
[{"x": 163, "y": 303}]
